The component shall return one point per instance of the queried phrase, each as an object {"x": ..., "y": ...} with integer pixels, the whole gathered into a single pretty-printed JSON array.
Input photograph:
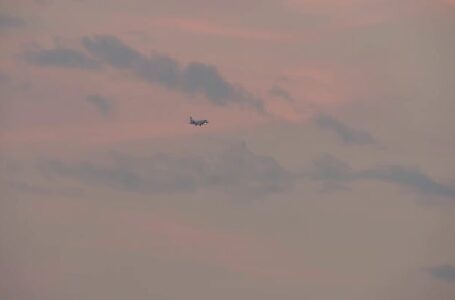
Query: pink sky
[{"x": 356, "y": 204}]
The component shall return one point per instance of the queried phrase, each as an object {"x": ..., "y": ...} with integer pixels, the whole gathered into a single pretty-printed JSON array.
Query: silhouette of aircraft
[{"x": 198, "y": 122}]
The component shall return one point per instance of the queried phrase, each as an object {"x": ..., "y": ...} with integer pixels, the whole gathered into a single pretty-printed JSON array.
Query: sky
[{"x": 326, "y": 170}]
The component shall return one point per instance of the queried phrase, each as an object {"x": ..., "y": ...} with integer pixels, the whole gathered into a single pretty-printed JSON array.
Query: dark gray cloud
[
  {"x": 102, "y": 104},
  {"x": 233, "y": 170},
  {"x": 345, "y": 133},
  {"x": 194, "y": 78},
  {"x": 60, "y": 57},
  {"x": 333, "y": 171},
  {"x": 444, "y": 272},
  {"x": 7, "y": 21},
  {"x": 114, "y": 52},
  {"x": 277, "y": 91},
  {"x": 160, "y": 69},
  {"x": 206, "y": 79}
]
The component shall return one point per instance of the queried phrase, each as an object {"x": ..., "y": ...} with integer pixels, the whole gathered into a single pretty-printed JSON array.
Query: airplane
[{"x": 198, "y": 122}]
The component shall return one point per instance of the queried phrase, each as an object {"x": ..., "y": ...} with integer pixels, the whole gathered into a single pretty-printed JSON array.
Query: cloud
[
  {"x": 7, "y": 21},
  {"x": 159, "y": 69},
  {"x": 332, "y": 171},
  {"x": 102, "y": 104},
  {"x": 444, "y": 272},
  {"x": 276, "y": 91},
  {"x": 4, "y": 78},
  {"x": 234, "y": 170},
  {"x": 60, "y": 57},
  {"x": 199, "y": 77},
  {"x": 408, "y": 176},
  {"x": 329, "y": 168},
  {"x": 194, "y": 78},
  {"x": 24, "y": 187},
  {"x": 346, "y": 134},
  {"x": 112, "y": 51}
]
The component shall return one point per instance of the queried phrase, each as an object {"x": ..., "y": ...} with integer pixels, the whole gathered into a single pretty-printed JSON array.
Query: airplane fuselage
[{"x": 198, "y": 122}]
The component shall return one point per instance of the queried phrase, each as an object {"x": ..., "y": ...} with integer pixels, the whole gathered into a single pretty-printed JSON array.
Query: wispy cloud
[
  {"x": 60, "y": 57},
  {"x": 24, "y": 187},
  {"x": 443, "y": 272},
  {"x": 194, "y": 78},
  {"x": 330, "y": 168},
  {"x": 346, "y": 134},
  {"x": 4, "y": 78},
  {"x": 408, "y": 176},
  {"x": 8, "y": 21},
  {"x": 277, "y": 91},
  {"x": 233, "y": 170},
  {"x": 332, "y": 171},
  {"x": 101, "y": 103}
]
